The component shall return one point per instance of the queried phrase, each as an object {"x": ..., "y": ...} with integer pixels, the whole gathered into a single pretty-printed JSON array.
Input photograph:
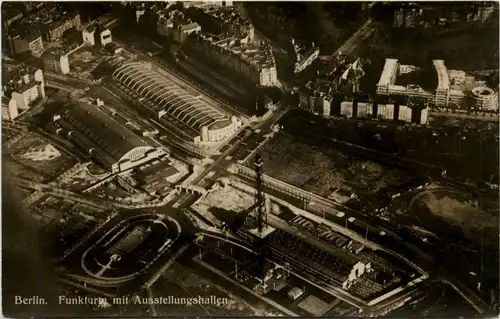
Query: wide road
[
  {"x": 351, "y": 44},
  {"x": 224, "y": 161}
]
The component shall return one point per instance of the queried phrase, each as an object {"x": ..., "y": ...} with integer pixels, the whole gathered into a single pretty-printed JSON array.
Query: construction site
[{"x": 287, "y": 255}]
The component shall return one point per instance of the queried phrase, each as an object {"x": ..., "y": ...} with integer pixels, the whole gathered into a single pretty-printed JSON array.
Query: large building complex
[
  {"x": 304, "y": 57},
  {"x": 427, "y": 15},
  {"x": 48, "y": 23},
  {"x": 106, "y": 141},
  {"x": 191, "y": 117},
  {"x": 330, "y": 265},
  {"x": 254, "y": 61},
  {"x": 454, "y": 88},
  {"x": 56, "y": 61},
  {"x": 235, "y": 47},
  {"x": 22, "y": 86},
  {"x": 307, "y": 247},
  {"x": 412, "y": 110}
]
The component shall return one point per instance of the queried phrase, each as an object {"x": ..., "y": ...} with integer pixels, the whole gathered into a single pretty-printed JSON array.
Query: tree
[{"x": 273, "y": 93}]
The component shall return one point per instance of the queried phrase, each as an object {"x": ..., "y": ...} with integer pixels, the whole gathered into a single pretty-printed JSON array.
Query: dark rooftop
[{"x": 101, "y": 129}]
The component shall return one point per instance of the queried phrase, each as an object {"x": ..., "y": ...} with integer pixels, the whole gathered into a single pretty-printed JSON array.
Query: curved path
[{"x": 99, "y": 278}]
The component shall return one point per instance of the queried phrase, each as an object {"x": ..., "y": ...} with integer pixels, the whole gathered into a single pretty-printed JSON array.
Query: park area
[{"x": 324, "y": 170}]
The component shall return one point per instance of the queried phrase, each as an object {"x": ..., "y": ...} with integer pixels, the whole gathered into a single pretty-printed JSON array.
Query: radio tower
[{"x": 260, "y": 197}]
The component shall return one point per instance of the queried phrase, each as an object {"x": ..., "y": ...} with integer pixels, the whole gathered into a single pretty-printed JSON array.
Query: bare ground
[{"x": 321, "y": 170}]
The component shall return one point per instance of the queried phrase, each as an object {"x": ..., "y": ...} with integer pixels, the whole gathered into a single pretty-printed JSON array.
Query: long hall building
[
  {"x": 191, "y": 117},
  {"x": 106, "y": 141}
]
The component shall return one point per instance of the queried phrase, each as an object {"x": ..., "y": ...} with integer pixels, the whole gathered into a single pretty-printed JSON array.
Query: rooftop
[
  {"x": 154, "y": 168},
  {"x": 11, "y": 10},
  {"x": 49, "y": 17},
  {"x": 389, "y": 68},
  {"x": 316, "y": 259},
  {"x": 259, "y": 55},
  {"x": 442, "y": 72},
  {"x": 228, "y": 16},
  {"x": 100, "y": 129},
  {"x": 91, "y": 28}
]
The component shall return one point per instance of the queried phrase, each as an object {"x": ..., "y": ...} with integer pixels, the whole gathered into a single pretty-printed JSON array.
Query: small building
[
  {"x": 357, "y": 247},
  {"x": 316, "y": 98},
  {"x": 405, "y": 113},
  {"x": 105, "y": 37},
  {"x": 26, "y": 40},
  {"x": 9, "y": 109},
  {"x": 340, "y": 196},
  {"x": 56, "y": 61},
  {"x": 88, "y": 35},
  {"x": 295, "y": 293},
  {"x": 346, "y": 109},
  {"x": 156, "y": 176},
  {"x": 24, "y": 84},
  {"x": 304, "y": 57},
  {"x": 10, "y": 14}
]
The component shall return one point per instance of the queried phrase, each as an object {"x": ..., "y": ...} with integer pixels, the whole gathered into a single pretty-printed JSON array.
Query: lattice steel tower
[{"x": 260, "y": 198}]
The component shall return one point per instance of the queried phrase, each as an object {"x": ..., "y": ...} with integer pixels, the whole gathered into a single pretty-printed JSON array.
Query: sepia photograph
[{"x": 232, "y": 159}]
